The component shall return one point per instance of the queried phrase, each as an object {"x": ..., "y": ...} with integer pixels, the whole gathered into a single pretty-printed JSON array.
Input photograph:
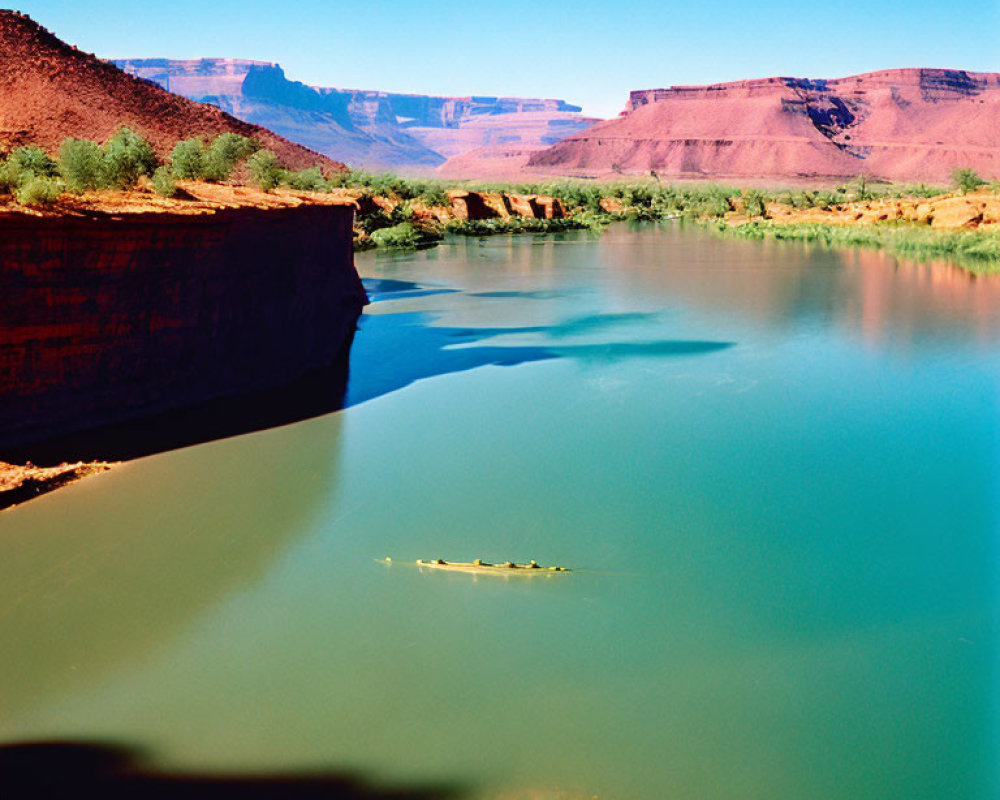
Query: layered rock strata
[
  {"x": 108, "y": 317},
  {"x": 903, "y": 125}
]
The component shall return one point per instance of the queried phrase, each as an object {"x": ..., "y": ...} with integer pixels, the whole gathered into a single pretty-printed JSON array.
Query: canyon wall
[
  {"x": 50, "y": 90},
  {"x": 903, "y": 125},
  {"x": 109, "y": 318},
  {"x": 364, "y": 127}
]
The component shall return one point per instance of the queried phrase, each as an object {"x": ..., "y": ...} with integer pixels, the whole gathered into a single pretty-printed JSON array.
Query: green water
[{"x": 777, "y": 472}]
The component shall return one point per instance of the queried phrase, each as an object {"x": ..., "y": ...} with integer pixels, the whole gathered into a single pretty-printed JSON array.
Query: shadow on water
[
  {"x": 392, "y": 351},
  {"x": 396, "y": 349},
  {"x": 61, "y": 769},
  {"x": 389, "y": 288},
  {"x": 432, "y": 350},
  {"x": 542, "y": 294}
]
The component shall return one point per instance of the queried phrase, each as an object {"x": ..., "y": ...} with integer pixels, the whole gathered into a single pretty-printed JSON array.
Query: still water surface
[{"x": 777, "y": 472}]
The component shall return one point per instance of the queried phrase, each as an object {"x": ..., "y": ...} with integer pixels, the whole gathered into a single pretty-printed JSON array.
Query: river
[{"x": 773, "y": 470}]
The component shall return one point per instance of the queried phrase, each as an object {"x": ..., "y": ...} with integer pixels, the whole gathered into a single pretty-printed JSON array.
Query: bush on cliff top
[
  {"x": 9, "y": 177},
  {"x": 80, "y": 164},
  {"x": 265, "y": 171},
  {"x": 33, "y": 162},
  {"x": 188, "y": 159},
  {"x": 127, "y": 155},
  {"x": 37, "y": 191},
  {"x": 306, "y": 180},
  {"x": 164, "y": 183},
  {"x": 224, "y": 153},
  {"x": 23, "y": 168}
]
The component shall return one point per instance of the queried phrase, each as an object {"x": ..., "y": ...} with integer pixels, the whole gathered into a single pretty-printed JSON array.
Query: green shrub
[
  {"x": 922, "y": 190},
  {"x": 825, "y": 200},
  {"x": 9, "y": 177},
  {"x": 435, "y": 195},
  {"x": 402, "y": 235},
  {"x": 374, "y": 221},
  {"x": 24, "y": 165},
  {"x": 800, "y": 199},
  {"x": 188, "y": 159},
  {"x": 716, "y": 205},
  {"x": 164, "y": 183},
  {"x": 499, "y": 225},
  {"x": 224, "y": 153},
  {"x": 754, "y": 203},
  {"x": 265, "y": 171},
  {"x": 33, "y": 162},
  {"x": 80, "y": 164},
  {"x": 350, "y": 179},
  {"x": 402, "y": 212},
  {"x": 966, "y": 180},
  {"x": 37, "y": 191},
  {"x": 306, "y": 180},
  {"x": 127, "y": 155}
]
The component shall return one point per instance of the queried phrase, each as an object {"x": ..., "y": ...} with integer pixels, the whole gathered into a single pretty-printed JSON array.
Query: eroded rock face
[
  {"x": 363, "y": 127},
  {"x": 907, "y": 125},
  {"x": 492, "y": 205},
  {"x": 114, "y": 317},
  {"x": 50, "y": 90}
]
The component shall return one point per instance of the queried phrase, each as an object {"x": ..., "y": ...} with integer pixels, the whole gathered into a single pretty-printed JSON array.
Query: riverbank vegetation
[
  {"x": 976, "y": 251},
  {"x": 916, "y": 221},
  {"x": 959, "y": 223}
]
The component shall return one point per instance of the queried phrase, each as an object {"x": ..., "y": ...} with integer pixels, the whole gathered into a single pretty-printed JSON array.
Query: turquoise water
[{"x": 775, "y": 471}]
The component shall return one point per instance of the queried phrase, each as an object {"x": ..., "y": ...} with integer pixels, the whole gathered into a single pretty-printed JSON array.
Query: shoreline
[{"x": 21, "y": 483}]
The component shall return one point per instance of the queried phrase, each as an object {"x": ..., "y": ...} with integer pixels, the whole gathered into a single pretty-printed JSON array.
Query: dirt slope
[
  {"x": 50, "y": 90},
  {"x": 903, "y": 125}
]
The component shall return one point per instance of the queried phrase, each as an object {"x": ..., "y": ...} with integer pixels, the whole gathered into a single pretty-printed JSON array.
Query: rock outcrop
[
  {"x": 50, "y": 90},
  {"x": 366, "y": 128},
  {"x": 107, "y": 317},
  {"x": 492, "y": 205},
  {"x": 947, "y": 212},
  {"x": 905, "y": 125}
]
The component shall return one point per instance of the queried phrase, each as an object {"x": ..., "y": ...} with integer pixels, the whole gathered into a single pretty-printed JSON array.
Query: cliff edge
[{"x": 114, "y": 312}]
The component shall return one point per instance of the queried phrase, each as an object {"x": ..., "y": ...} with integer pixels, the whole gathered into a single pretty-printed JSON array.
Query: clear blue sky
[{"x": 591, "y": 52}]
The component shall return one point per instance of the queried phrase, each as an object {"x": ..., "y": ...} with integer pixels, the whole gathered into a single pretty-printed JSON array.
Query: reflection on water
[
  {"x": 775, "y": 467},
  {"x": 320, "y": 392},
  {"x": 102, "y": 579}
]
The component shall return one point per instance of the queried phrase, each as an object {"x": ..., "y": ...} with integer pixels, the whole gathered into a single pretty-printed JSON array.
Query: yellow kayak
[{"x": 480, "y": 567}]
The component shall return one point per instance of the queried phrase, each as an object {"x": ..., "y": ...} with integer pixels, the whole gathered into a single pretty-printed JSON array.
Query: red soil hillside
[
  {"x": 49, "y": 90},
  {"x": 903, "y": 125}
]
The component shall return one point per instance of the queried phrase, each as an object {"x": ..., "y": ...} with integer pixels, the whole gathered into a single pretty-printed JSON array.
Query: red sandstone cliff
[
  {"x": 905, "y": 125},
  {"x": 111, "y": 316},
  {"x": 49, "y": 90}
]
